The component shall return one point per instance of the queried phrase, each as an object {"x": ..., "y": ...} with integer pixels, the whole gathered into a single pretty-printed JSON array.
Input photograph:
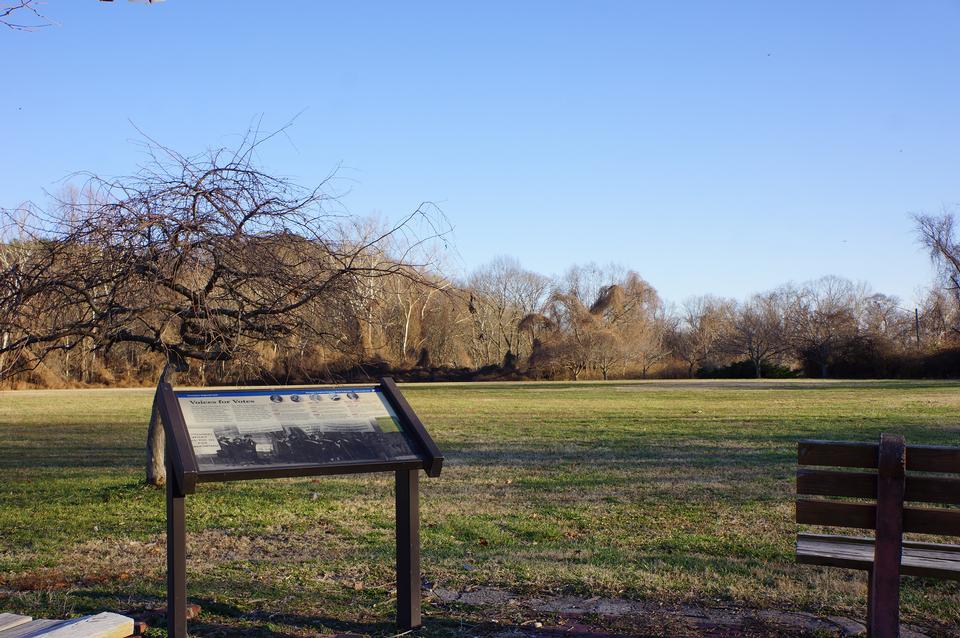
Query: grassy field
[{"x": 672, "y": 492}]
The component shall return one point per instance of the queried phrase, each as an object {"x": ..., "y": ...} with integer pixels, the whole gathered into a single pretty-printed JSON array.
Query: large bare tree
[
  {"x": 937, "y": 233},
  {"x": 203, "y": 258},
  {"x": 22, "y": 15},
  {"x": 759, "y": 330},
  {"x": 595, "y": 321},
  {"x": 503, "y": 294},
  {"x": 705, "y": 322},
  {"x": 825, "y": 316}
]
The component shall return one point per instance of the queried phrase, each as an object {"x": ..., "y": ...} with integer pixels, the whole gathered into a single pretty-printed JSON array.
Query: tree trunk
[
  {"x": 156, "y": 438},
  {"x": 156, "y": 446}
]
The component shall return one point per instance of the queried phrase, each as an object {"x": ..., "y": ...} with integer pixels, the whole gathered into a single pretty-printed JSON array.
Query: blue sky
[{"x": 722, "y": 147}]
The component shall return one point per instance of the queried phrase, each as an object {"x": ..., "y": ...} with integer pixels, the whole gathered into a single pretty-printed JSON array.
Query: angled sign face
[
  {"x": 253, "y": 433},
  {"x": 236, "y": 429}
]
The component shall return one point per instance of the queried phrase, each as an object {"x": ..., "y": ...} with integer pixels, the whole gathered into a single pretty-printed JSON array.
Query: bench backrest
[{"x": 922, "y": 484}]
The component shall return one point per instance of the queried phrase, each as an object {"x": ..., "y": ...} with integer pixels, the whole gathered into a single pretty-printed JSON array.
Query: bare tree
[
  {"x": 704, "y": 323},
  {"x": 937, "y": 233},
  {"x": 759, "y": 330},
  {"x": 22, "y": 15},
  {"x": 202, "y": 258},
  {"x": 621, "y": 324},
  {"x": 503, "y": 294},
  {"x": 939, "y": 315},
  {"x": 825, "y": 316},
  {"x": 886, "y": 324}
]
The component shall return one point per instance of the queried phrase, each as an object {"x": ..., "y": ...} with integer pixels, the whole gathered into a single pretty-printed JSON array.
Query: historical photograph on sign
[{"x": 303, "y": 426}]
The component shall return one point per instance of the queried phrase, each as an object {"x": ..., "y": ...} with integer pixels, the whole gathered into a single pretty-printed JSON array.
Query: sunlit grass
[{"x": 650, "y": 491}]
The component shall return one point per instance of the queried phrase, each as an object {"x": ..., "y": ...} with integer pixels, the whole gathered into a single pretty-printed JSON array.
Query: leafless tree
[
  {"x": 23, "y": 15},
  {"x": 825, "y": 316},
  {"x": 939, "y": 315},
  {"x": 202, "y": 258},
  {"x": 620, "y": 324},
  {"x": 503, "y": 293},
  {"x": 704, "y": 323},
  {"x": 759, "y": 330},
  {"x": 937, "y": 233}
]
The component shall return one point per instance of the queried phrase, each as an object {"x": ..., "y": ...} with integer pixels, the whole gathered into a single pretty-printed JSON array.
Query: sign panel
[{"x": 290, "y": 427}]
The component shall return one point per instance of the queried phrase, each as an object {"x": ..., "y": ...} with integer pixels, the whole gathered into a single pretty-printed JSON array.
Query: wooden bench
[{"x": 886, "y": 556}]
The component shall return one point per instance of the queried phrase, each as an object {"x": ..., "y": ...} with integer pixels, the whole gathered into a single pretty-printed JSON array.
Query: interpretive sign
[
  {"x": 237, "y": 434},
  {"x": 311, "y": 426}
]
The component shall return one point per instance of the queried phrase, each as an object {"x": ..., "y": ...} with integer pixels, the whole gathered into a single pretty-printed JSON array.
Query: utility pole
[{"x": 916, "y": 325}]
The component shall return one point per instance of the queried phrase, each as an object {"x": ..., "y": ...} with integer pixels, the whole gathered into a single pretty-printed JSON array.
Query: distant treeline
[
  {"x": 504, "y": 322},
  {"x": 247, "y": 278}
]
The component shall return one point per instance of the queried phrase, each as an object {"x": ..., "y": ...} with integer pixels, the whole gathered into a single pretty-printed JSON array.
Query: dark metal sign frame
[{"x": 183, "y": 475}]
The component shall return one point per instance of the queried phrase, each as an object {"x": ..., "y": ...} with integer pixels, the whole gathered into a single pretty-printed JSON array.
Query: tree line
[{"x": 210, "y": 261}]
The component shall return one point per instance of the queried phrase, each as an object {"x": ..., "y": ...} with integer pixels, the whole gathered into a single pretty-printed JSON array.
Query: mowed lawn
[{"x": 667, "y": 492}]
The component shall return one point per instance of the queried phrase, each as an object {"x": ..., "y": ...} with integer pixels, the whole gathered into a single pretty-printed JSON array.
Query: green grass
[{"x": 665, "y": 492}]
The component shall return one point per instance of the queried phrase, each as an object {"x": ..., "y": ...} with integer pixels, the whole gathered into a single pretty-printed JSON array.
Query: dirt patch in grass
[{"x": 581, "y": 617}]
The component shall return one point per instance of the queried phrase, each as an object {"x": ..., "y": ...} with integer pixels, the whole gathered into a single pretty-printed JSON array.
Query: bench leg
[
  {"x": 888, "y": 547},
  {"x": 883, "y": 604}
]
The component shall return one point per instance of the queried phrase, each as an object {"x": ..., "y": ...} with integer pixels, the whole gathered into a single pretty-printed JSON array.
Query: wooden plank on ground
[
  {"x": 9, "y": 621},
  {"x": 30, "y": 629},
  {"x": 105, "y": 625}
]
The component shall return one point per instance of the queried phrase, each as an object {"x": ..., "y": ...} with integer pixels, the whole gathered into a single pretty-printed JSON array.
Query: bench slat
[
  {"x": 835, "y": 551},
  {"x": 933, "y": 489},
  {"x": 919, "y": 559},
  {"x": 834, "y": 514},
  {"x": 916, "y": 520},
  {"x": 920, "y": 458},
  {"x": 830, "y": 483},
  {"x": 920, "y": 489},
  {"x": 920, "y": 520},
  {"x": 933, "y": 458},
  {"x": 837, "y": 454}
]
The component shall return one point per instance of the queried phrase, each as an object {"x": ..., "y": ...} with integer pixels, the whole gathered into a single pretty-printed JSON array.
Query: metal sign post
[
  {"x": 408, "y": 549},
  {"x": 176, "y": 557}
]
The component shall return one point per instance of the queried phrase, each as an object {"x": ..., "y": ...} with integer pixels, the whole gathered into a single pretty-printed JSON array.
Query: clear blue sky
[{"x": 721, "y": 147}]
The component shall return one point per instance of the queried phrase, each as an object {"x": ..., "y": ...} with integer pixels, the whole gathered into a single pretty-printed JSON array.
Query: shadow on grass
[{"x": 74, "y": 456}]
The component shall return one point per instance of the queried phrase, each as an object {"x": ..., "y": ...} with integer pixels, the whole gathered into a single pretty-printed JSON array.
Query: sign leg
[
  {"x": 408, "y": 549},
  {"x": 176, "y": 560}
]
